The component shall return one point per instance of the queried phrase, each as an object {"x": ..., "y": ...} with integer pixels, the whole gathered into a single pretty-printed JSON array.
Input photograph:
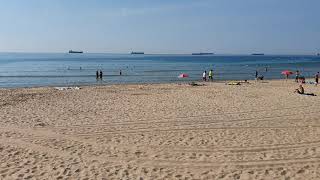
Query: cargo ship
[
  {"x": 137, "y": 52},
  {"x": 257, "y": 54},
  {"x": 71, "y": 51},
  {"x": 201, "y": 53}
]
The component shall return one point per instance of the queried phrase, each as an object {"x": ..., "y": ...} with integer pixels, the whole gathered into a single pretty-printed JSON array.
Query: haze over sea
[{"x": 63, "y": 69}]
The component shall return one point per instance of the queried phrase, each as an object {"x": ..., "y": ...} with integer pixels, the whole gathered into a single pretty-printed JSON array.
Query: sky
[{"x": 161, "y": 26}]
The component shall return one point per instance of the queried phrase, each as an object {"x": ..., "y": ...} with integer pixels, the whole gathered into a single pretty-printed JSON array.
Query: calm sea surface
[{"x": 63, "y": 69}]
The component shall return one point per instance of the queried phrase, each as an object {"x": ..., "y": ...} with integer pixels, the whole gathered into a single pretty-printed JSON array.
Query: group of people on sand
[
  {"x": 298, "y": 77},
  {"x": 210, "y": 75},
  {"x": 301, "y": 79}
]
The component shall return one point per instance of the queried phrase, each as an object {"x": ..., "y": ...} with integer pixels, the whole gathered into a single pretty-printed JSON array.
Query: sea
[{"x": 64, "y": 69}]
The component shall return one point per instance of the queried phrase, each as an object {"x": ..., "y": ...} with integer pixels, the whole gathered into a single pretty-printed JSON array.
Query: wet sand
[{"x": 161, "y": 131}]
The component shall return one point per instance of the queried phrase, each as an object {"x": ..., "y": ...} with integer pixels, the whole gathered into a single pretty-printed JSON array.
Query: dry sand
[{"x": 163, "y": 131}]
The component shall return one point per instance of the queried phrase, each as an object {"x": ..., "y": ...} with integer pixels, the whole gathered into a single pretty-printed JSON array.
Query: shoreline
[
  {"x": 261, "y": 130},
  {"x": 147, "y": 83}
]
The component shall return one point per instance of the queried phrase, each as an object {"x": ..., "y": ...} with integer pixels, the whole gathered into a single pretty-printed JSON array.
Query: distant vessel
[
  {"x": 202, "y": 53},
  {"x": 137, "y": 52},
  {"x": 257, "y": 54},
  {"x": 71, "y": 51}
]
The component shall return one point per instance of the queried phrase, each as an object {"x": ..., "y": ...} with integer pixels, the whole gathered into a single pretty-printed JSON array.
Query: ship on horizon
[
  {"x": 201, "y": 53},
  {"x": 134, "y": 52},
  {"x": 72, "y": 51},
  {"x": 257, "y": 54}
]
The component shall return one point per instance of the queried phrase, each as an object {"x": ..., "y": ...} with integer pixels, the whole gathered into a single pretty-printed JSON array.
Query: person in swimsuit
[{"x": 300, "y": 90}]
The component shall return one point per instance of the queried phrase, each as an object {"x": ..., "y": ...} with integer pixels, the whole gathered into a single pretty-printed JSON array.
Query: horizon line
[{"x": 129, "y": 53}]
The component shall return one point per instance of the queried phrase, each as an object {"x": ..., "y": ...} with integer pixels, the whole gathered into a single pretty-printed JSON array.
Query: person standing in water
[
  {"x": 97, "y": 74},
  {"x": 101, "y": 74},
  {"x": 256, "y": 75},
  {"x": 120, "y": 72},
  {"x": 211, "y": 75}
]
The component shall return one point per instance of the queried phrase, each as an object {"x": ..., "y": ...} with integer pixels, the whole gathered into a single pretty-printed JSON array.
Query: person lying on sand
[
  {"x": 233, "y": 83},
  {"x": 195, "y": 84},
  {"x": 300, "y": 90},
  {"x": 237, "y": 82}
]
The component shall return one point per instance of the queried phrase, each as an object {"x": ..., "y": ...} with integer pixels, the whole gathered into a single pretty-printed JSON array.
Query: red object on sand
[
  {"x": 183, "y": 75},
  {"x": 286, "y": 72}
]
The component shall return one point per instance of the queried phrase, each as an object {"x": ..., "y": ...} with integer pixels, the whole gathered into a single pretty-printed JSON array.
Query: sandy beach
[{"x": 260, "y": 130}]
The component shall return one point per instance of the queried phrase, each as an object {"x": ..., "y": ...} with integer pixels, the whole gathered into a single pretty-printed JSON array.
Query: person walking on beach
[
  {"x": 256, "y": 75},
  {"x": 204, "y": 76},
  {"x": 316, "y": 77},
  {"x": 211, "y": 75},
  {"x": 101, "y": 74},
  {"x": 297, "y": 76},
  {"x": 97, "y": 74}
]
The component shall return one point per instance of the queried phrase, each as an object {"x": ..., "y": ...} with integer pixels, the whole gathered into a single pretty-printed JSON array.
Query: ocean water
[{"x": 63, "y": 69}]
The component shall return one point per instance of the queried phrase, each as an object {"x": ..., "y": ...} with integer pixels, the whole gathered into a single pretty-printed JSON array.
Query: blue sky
[{"x": 161, "y": 26}]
